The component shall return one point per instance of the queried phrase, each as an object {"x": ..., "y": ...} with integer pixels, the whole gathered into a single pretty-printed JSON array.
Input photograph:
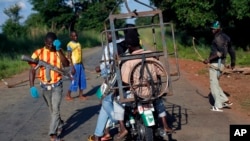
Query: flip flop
[
  {"x": 106, "y": 138},
  {"x": 91, "y": 138}
]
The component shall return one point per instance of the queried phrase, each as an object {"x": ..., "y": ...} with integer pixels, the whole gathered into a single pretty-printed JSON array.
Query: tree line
[{"x": 191, "y": 18}]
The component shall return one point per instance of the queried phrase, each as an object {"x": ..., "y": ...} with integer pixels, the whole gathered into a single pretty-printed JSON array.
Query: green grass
[
  {"x": 9, "y": 67},
  {"x": 11, "y": 49}
]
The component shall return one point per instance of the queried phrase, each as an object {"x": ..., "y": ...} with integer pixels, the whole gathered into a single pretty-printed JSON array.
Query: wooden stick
[{"x": 13, "y": 85}]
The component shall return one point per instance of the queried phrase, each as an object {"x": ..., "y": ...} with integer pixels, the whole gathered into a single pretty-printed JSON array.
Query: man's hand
[
  {"x": 57, "y": 44},
  {"x": 97, "y": 69},
  {"x": 206, "y": 61},
  {"x": 73, "y": 70},
  {"x": 33, "y": 92}
]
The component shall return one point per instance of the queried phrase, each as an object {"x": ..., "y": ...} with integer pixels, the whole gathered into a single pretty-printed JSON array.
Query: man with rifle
[{"x": 50, "y": 80}]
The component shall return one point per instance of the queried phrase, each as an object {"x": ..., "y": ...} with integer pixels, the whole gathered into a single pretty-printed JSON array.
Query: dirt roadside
[{"x": 236, "y": 85}]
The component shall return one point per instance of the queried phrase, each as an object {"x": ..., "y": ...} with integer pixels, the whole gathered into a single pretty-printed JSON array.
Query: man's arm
[
  {"x": 64, "y": 60},
  {"x": 32, "y": 74},
  {"x": 232, "y": 54}
]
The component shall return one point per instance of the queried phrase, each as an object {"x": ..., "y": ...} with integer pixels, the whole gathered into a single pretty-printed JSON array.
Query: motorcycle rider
[
  {"x": 133, "y": 44},
  {"x": 107, "y": 109}
]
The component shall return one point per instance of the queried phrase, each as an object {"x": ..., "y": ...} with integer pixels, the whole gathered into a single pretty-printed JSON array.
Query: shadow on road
[
  {"x": 79, "y": 118},
  {"x": 92, "y": 91},
  {"x": 176, "y": 117}
]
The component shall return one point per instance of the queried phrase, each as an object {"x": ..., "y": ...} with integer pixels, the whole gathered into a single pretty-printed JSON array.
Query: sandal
[
  {"x": 122, "y": 135},
  {"x": 106, "y": 138},
  {"x": 215, "y": 109},
  {"x": 91, "y": 138}
]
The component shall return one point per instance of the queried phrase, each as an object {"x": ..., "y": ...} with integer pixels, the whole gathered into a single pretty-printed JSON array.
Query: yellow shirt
[{"x": 76, "y": 49}]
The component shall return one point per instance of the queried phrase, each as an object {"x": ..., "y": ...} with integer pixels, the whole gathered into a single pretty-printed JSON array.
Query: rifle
[{"x": 65, "y": 72}]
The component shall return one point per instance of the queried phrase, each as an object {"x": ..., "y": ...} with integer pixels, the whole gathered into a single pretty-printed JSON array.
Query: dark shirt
[{"x": 222, "y": 44}]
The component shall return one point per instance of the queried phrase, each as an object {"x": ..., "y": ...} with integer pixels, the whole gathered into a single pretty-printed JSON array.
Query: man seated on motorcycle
[
  {"x": 107, "y": 110},
  {"x": 132, "y": 42}
]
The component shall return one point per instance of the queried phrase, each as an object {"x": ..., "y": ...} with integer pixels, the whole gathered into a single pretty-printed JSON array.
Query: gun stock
[{"x": 28, "y": 59}]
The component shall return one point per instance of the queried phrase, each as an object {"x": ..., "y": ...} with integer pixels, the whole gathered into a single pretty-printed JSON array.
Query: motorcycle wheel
[{"x": 145, "y": 133}]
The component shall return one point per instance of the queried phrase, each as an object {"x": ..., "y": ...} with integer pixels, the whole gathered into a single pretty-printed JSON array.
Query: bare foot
[
  {"x": 68, "y": 98},
  {"x": 83, "y": 97}
]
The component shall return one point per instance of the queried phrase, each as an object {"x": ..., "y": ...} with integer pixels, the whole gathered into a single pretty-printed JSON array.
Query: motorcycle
[{"x": 146, "y": 87}]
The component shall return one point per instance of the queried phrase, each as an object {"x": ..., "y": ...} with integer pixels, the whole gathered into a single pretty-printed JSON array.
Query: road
[{"x": 23, "y": 118}]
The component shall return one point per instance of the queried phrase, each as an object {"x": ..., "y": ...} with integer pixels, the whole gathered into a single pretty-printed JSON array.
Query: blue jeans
[
  {"x": 79, "y": 78},
  {"x": 106, "y": 112},
  {"x": 160, "y": 108},
  {"x": 53, "y": 100}
]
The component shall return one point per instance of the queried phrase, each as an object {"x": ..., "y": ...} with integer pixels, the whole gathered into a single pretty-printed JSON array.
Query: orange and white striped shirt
[{"x": 51, "y": 57}]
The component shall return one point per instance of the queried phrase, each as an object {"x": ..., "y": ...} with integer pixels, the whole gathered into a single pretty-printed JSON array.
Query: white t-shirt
[{"x": 107, "y": 58}]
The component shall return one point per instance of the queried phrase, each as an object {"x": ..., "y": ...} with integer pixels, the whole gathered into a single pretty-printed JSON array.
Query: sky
[{"x": 26, "y": 8}]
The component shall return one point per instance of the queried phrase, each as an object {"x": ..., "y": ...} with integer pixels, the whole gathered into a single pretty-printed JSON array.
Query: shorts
[{"x": 79, "y": 78}]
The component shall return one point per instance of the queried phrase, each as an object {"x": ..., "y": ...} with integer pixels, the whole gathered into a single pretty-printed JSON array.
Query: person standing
[
  {"x": 221, "y": 45},
  {"x": 50, "y": 80},
  {"x": 75, "y": 57}
]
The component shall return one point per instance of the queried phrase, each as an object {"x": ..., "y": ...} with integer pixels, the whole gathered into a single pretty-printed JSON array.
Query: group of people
[
  {"x": 52, "y": 85},
  {"x": 107, "y": 112}
]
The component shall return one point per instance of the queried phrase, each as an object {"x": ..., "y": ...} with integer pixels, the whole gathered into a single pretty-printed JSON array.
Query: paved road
[{"x": 23, "y": 118}]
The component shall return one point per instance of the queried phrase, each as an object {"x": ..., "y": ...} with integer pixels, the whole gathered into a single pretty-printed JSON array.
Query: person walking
[
  {"x": 75, "y": 57},
  {"x": 221, "y": 45},
  {"x": 51, "y": 83}
]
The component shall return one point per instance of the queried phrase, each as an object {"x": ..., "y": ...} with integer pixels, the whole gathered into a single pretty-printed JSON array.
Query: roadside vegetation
[
  {"x": 87, "y": 17},
  {"x": 12, "y": 49},
  {"x": 11, "y": 64}
]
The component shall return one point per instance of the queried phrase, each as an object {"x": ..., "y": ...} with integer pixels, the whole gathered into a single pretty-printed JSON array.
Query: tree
[
  {"x": 96, "y": 13},
  {"x": 53, "y": 13},
  {"x": 85, "y": 14},
  {"x": 195, "y": 17},
  {"x": 12, "y": 27}
]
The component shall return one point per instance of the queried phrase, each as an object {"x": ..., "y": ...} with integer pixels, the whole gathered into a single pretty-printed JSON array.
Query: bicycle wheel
[{"x": 148, "y": 79}]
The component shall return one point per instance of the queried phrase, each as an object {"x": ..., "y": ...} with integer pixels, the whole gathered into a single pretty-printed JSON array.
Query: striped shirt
[{"x": 51, "y": 57}]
